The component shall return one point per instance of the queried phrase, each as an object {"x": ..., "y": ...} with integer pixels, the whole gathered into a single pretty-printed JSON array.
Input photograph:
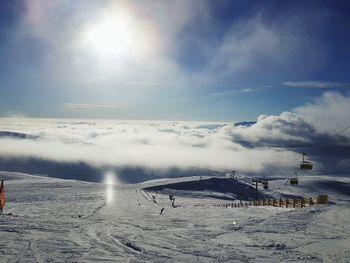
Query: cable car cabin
[
  {"x": 265, "y": 184},
  {"x": 293, "y": 181},
  {"x": 304, "y": 165}
]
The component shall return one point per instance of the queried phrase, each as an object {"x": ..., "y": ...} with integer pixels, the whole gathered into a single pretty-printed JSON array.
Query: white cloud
[
  {"x": 315, "y": 84},
  {"x": 270, "y": 143},
  {"x": 305, "y": 125},
  {"x": 246, "y": 47},
  {"x": 253, "y": 43},
  {"x": 328, "y": 114},
  {"x": 158, "y": 145},
  {"x": 76, "y": 106}
]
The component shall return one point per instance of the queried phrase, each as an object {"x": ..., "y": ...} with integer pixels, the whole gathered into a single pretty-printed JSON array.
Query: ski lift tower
[
  {"x": 263, "y": 181},
  {"x": 233, "y": 174}
]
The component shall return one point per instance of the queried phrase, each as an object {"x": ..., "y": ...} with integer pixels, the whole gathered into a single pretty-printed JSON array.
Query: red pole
[{"x": 2, "y": 196}]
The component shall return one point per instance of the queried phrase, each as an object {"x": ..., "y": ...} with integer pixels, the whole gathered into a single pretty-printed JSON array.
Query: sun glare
[
  {"x": 115, "y": 38},
  {"x": 113, "y": 35},
  {"x": 110, "y": 182}
]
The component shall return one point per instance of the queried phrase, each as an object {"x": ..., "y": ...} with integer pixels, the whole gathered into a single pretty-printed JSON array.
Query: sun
[
  {"x": 114, "y": 39},
  {"x": 112, "y": 35}
]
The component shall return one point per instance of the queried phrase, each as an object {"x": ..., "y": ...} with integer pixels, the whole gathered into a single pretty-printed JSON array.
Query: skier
[{"x": 172, "y": 199}]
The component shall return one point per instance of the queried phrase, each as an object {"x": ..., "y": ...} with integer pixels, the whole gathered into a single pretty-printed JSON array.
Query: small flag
[{"x": 2, "y": 196}]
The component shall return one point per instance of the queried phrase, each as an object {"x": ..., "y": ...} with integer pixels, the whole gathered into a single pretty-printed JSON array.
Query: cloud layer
[{"x": 270, "y": 146}]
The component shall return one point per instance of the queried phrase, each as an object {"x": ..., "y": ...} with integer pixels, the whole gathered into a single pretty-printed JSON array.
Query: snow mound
[
  {"x": 338, "y": 188},
  {"x": 221, "y": 188}
]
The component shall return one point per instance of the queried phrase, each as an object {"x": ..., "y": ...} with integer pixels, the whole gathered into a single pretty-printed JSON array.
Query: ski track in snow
[{"x": 41, "y": 224}]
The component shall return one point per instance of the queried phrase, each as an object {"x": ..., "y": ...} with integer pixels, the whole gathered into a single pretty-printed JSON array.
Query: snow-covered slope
[
  {"x": 337, "y": 188},
  {"x": 55, "y": 220}
]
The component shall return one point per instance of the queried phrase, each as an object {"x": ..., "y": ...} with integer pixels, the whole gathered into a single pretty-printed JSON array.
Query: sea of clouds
[{"x": 147, "y": 149}]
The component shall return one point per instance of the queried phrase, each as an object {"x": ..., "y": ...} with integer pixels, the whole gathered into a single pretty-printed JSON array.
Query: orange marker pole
[{"x": 2, "y": 196}]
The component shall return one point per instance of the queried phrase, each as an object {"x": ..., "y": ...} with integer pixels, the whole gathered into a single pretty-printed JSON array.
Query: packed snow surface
[{"x": 55, "y": 220}]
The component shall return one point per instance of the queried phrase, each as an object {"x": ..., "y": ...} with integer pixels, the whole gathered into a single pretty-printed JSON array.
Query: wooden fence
[{"x": 281, "y": 202}]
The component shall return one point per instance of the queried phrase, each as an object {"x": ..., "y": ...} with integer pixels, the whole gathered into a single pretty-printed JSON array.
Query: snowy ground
[{"x": 120, "y": 224}]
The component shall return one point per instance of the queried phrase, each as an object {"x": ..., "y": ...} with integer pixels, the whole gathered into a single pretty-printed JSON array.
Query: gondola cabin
[
  {"x": 263, "y": 181},
  {"x": 305, "y": 165},
  {"x": 265, "y": 184},
  {"x": 293, "y": 181}
]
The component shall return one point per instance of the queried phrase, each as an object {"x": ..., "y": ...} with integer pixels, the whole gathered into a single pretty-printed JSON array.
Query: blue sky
[{"x": 178, "y": 60}]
